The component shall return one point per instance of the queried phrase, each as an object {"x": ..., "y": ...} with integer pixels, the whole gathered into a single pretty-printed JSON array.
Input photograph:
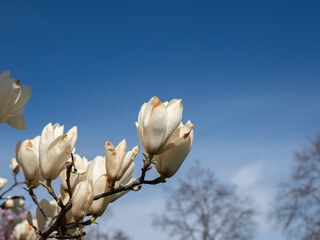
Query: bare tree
[
  {"x": 103, "y": 232},
  {"x": 297, "y": 204},
  {"x": 202, "y": 208},
  {"x": 96, "y": 233}
]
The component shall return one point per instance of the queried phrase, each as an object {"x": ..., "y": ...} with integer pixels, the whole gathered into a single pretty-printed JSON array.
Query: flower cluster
[{"x": 88, "y": 187}]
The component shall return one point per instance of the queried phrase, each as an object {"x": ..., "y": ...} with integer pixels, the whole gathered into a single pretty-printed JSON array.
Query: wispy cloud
[
  {"x": 247, "y": 176},
  {"x": 249, "y": 182}
]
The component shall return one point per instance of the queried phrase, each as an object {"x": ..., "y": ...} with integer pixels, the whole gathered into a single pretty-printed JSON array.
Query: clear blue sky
[{"x": 247, "y": 71}]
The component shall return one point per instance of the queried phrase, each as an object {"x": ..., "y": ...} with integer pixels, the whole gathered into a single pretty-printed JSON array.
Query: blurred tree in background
[
  {"x": 97, "y": 234},
  {"x": 202, "y": 208},
  {"x": 297, "y": 204}
]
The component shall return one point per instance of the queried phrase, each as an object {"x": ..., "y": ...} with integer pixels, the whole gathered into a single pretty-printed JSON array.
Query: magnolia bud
[
  {"x": 14, "y": 166},
  {"x": 117, "y": 161},
  {"x": 27, "y": 154},
  {"x": 3, "y": 182},
  {"x": 82, "y": 200},
  {"x": 102, "y": 185},
  {"x": 15, "y": 204}
]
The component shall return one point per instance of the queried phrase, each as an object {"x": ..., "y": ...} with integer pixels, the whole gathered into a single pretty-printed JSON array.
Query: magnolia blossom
[
  {"x": 55, "y": 148},
  {"x": 24, "y": 231},
  {"x": 13, "y": 97},
  {"x": 179, "y": 145},
  {"x": 117, "y": 161},
  {"x": 82, "y": 200},
  {"x": 15, "y": 204},
  {"x": 3, "y": 182},
  {"x": 50, "y": 209},
  {"x": 14, "y": 166},
  {"x": 75, "y": 177},
  {"x": 96, "y": 172},
  {"x": 156, "y": 123},
  {"x": 27, "y": 154},
  {"x": 95, "y": 169},
  {"x": 100, "y": 186}
]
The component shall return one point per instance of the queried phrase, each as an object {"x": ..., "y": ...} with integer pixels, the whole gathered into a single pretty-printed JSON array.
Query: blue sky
[{"x": 247, "y": 71}]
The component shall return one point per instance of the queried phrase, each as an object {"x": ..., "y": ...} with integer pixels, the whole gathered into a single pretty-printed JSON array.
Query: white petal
[
  {"x": 174, "y": 111},
  {"x": 3, "y": 182},
  {"x": 127, "y": 161},
  {"x": 101, "y": 186},
  {"x": 154, "y": 129},
  {"x": 121, "y": 152},
  {"x": 111, "y": 161},
  {"x": 73, "y": 135},
  {"x": 17, "y": 122},
  {"x": 169, "y": 161}
]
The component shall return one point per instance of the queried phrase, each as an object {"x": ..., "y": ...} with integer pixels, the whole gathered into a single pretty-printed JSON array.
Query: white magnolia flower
[
  {"x": 27, "y": 154},
  {"x": 15, "y": 204},
  {"x": 96, "y": 172},
  {"x": 13, "y": 97},
  {"x": 50, "y": 209},
  {"x": 81, "y": 166},
  {"x": 156, "y": 123},
  {"x": 168, "y": 162},
  {"x": 3, "y": 182},
  {"x": 55, "y": 148},
  {"x": 24, "y": 231},
  {"x": 101, "y": 185},
  {"x": 96, "y": 168},
  {"x": 14, "y": 166},
  {"x": 82, "y": 200},
  {"x": 117, "y": 161}
]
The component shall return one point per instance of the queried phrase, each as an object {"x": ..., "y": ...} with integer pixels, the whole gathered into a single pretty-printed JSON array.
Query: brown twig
[
  {"x": 16, "y": 183},
  {"x": 86, "y": 223},
  {"x": 35, "y": 200},
  {"x": 68, "y": 236},
  {"x": 64, "y": 208},
  {"x": 52, "y": 193}
]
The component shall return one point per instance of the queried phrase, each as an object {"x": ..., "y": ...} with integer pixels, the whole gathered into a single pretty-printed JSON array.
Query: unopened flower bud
[
  {"x": 82, "y": 200},
  {"x": 102, "y": 185},
  {"x": 3, "y": 182},
  {"x": 117, "y": 161}
]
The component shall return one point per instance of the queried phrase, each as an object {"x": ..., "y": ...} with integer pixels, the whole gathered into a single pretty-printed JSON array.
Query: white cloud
[
  {"x": 248, "y": 176},
  {"x": 250, "y": 181}
]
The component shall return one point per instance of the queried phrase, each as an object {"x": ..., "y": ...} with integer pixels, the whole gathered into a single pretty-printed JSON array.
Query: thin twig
[
  {"x": 64, "y": 209},
  {"x": 16, "y": 183},
  {"x": 86, "y": 223},
  {"x": 52, "y": 193},
  {"x": 67, "y": 236},
  {"x": 35, "y": 200}
]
